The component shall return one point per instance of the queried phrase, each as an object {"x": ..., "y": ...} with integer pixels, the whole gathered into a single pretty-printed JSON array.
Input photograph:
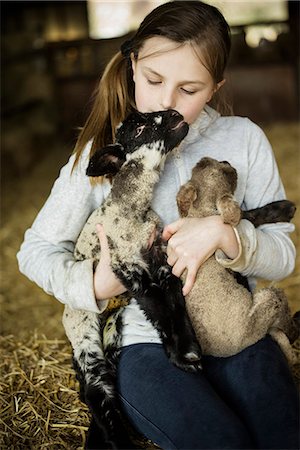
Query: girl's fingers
[
  {"x": 189, "y": 282},
  {"x": 151, "y": 239},
  {"x": 103, "y": 240},
  {"x": 178, "y": 268},
  {"x": 101, "y": 234},
  {"x": 172, "y": 258},
  {"x": 100, "y": 229},
  {"x": 170, "y": 229}
]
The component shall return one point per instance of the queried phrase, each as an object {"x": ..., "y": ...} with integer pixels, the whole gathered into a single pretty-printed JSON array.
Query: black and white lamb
[{"x": 135, "y": 160}]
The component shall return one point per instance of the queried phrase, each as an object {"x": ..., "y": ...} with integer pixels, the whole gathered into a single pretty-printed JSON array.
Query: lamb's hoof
[
  {"x": 192, "y": 352},
  {"x": 194, "y": 361},
  {"x": 189, "y": 361},
  {"x": 188, "y": 365}
]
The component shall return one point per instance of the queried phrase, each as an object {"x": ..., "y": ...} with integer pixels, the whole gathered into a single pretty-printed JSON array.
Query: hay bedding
[
  {"x": 39, "y": 396},
  {"x": 39, "y": 401}
]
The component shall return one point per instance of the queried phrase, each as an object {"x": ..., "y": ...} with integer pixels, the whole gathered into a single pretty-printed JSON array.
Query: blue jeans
[{"x": 246, "y": 401}]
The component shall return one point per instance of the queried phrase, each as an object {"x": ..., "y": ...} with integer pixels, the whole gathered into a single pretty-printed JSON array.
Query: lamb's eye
[{"x": 139, "y": 130}]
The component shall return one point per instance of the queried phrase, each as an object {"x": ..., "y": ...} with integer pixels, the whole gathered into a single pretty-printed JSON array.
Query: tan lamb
[{"x": 226, "y": 317}]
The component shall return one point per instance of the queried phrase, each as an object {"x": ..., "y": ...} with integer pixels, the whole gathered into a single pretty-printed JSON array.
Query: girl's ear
[
  {"x": 217, "y": 87},
  {"x": 106, "y": 161},
  {"x": 220, "y": 84},
  {"x": 133, "y": 65}
]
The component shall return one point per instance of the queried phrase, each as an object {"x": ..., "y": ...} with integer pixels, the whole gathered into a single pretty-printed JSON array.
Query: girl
[{"x": 177, "y": 60}]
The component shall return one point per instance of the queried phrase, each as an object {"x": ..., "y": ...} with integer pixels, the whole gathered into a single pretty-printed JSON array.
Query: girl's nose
[{"x": 168, "y": 99}]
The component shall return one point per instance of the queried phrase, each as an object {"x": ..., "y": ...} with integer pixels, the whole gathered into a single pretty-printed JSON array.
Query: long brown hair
[{"x": 195, "y": 22}]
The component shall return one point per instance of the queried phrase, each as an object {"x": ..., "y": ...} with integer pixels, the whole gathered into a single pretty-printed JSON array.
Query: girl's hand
[
  {"x": 193, "y": 241},
  {"x": 106, "y": 284}
]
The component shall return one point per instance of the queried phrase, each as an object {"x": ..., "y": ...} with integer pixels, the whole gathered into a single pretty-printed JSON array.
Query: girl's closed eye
[
  {"x": 156, "y": 82},
  {"x": 153, "y": 82},
  {"x": 188, "y": 92}
]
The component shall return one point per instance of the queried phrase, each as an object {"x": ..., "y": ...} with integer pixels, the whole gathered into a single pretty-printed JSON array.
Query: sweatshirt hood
[{"x": 207, "y": 116}]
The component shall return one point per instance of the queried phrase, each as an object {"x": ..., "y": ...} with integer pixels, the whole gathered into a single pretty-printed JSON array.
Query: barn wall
[{"x": 50, "y": 68}]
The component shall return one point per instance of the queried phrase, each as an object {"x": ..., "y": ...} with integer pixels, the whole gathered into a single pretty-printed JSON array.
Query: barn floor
[
  {"x": 38, "y": 391},
  {"x": 24, "y": 306}
]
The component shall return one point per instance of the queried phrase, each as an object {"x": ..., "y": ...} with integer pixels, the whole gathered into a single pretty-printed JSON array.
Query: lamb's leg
[
  {"x": 270, "y": 312},
  {"x": 183, "y": 332},
  {"x": 282, "y": 340},
  {"x": 173, "y": 326},
  {"x": 92, "y": 440},
  {"x": 160, "y": 297},
  {"x": 184, "y": 337},
  {"x": 107, "y": 430},
  {"x": 97, "y": 380},
  {"x": 280, "y": 211}
]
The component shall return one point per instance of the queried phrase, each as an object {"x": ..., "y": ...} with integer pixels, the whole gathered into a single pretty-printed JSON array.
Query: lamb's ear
[
  {"x": 186, "y": 196},
  {"x": 106, "y": 161}
]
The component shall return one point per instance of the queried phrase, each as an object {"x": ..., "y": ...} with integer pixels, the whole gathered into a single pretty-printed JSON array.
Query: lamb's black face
[
  {"x": 161, "y": 131},
  {"x": 138, "y": 129}
]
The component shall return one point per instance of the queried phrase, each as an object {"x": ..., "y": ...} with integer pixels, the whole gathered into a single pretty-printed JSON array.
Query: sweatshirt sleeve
[
  {"x": 46, "y": 255},
  {"x": 266, "y": 252}
]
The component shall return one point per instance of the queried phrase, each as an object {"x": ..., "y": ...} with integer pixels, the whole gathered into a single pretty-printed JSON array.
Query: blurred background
[{"x": 52, "y": 56}]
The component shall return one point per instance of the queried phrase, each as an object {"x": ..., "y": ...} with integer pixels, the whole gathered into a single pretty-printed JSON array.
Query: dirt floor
[{"x": 41, "y": 407}]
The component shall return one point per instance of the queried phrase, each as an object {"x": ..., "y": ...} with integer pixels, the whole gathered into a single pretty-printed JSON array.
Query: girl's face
[{"x": 170, "y": 77}]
